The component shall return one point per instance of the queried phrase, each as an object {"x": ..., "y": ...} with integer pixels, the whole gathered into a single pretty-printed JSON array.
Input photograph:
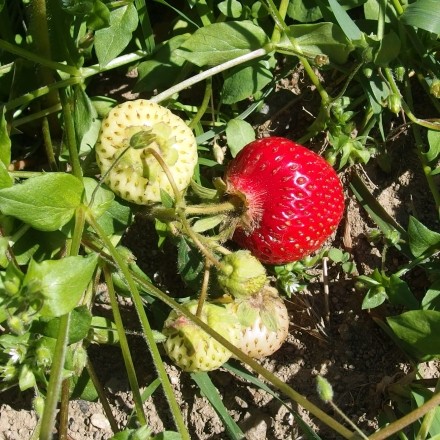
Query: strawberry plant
[{"x": 219, "y": 176}]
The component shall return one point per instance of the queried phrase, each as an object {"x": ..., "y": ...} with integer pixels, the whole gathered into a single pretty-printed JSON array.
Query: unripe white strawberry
[
  {"x": 190, "y": 347},
  {"x": 241, "y": 274},
  {"x": 265, "y": 322},
  {"x": 136, "y": 175}
]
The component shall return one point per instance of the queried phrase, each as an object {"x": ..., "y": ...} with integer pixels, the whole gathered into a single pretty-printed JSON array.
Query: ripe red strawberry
[{"x": 293, "y": 199}]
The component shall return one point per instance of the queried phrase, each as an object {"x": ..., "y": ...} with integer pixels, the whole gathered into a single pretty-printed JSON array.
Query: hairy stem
[{"x": 210, "y": 72}]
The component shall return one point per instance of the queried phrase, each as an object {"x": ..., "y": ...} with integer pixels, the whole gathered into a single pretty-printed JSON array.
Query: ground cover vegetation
[{"x": 252, "y": 221}]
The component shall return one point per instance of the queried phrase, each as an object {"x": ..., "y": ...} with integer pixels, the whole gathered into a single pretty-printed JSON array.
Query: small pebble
[{"x": 100, "y": 421}]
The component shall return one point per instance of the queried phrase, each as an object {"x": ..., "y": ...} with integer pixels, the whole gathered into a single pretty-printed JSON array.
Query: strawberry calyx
[{"x": 249, "y": 205}]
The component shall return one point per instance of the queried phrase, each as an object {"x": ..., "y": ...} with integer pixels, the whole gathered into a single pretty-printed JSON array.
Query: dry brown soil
[{"x": 350, "y": 350}]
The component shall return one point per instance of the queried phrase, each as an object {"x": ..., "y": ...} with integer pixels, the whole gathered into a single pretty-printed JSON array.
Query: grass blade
[
  {"x": 210, "y": 391},
  {"x": 239, "y": 371}
]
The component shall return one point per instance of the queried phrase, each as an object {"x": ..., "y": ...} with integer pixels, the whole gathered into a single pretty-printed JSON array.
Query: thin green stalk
[
  {"x": 398, "y": 7},
  {"x": 102, "y": 397},
  {"x": 279, "y": 21},
  {"x": 26, "y": 98},
  {"x": 123, "y": 342},
  {"x": 282, "y": 11},
  {"x": 168, "y": 390},
  {"x": 70, "y": 134},
  {"x": 204, "y": 290},
  {"x": 31, "y": 56},
  {"x": 270, "y": 377},
  {"x": 56, "y": 371},
  {"x": 37, "y": 115},
  {"x": 347, "y": 419},
  {"x": 211, "y": 72},
  {"x": 55, "y": 379},
  {"x": 123, "y": 60},
  {"x": 64, "y": 410},
  {"x": 406, "y": 107},
  {"x": 428, "y": 418},
  {"x": 48, "y": 146},
  {"x": 407, "y": 419},
  {"x": 203, "y": 106},
  {"x": 381, "y": 19},
  {"x": 425, "y": 165}
]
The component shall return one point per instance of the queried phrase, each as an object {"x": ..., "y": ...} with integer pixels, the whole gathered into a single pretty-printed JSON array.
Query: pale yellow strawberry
[
  {"x": 265, "y": 322},
  {"x": 190, "y": 347},
  {"x": 136, "y": 175}
]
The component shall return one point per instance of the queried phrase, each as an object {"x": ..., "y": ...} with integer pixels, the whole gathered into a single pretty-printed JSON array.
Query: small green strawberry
[
  {"x": 265, "y": 322},
  {"x": 190, "y": 347},
  {"x": 242, "y": 274},
  {"x": 130, "y": 170}
]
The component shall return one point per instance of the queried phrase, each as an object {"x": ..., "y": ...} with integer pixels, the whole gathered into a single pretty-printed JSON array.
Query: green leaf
[
  {"x": 60, "y": 282},
  {"x": 348, "y": 26},
  {"x": 434, "y": 145},
  {"x": 44, "y": 202},
  {"x": 419, "y": 330},
  {"x": 242, "y": 82},
  {"x": 117, "y": 217},
  {"x": 374, "y": 298},
  {"x": 103, "y": 331},
  {"x": 80, "y": 320},
  {"x": 102, "y": 197},
  {"x": 81, "y": 387},
  {"x": 389, "y": 49},
  {"x": 208, "y": 389},
  {"x": 230, "y": 8},
  {"x": 99, "y": 17},
  {"x": 336, "y": 255},
  {"x": 304, "y": 11},
  {"x": 164, "y": 66},
  {"x": 6, "y": 181},
  {"x": 5, "y": 141},
  {"x": 87, "y": 124},
  {"x": 202, "y": 192},
  {"x": 207, "y": 223},
  {"x": 431, "y": 300},
  {"x": 321, "y": 39},
  {"x": 420, "y": 237},
  {"x": 423, "y": 14},
  {"x": 238, "y": 134},
  {"x": 421, "y": 395},
  {"x": 399, "y": 293},
  {"x": 190, "y": 264},
  {"x": 220, "y": 42},
  {"x": 111, "y": 41}
]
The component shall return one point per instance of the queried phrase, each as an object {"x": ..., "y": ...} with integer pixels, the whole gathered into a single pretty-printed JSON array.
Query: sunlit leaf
[
  {"x": 111, "y": 41},
  {"x": 220, "y": 42},
  {"x": 423, "y": 14},
  {"x": 60, "y": 282},
  {"x": 420, "y": 330},
  {"x": 45, "y": 202},
  {"x": 242, "y": 82},
  {"x": 420, "y": 237},
  {"x": 238, "y": 134}
]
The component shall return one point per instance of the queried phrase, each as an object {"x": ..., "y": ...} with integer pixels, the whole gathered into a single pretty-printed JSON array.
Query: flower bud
[
  {"x": 435, "y": 88},
  {"x": 242, "y": 274},
  {"x": 394, "y": 103}
]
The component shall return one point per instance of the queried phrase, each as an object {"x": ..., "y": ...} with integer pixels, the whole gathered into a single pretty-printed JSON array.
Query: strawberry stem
[
  {"x": 177, "y": 195},
  {"x": 204, "y": 289},
  {"x": 180, "y": 212}
]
